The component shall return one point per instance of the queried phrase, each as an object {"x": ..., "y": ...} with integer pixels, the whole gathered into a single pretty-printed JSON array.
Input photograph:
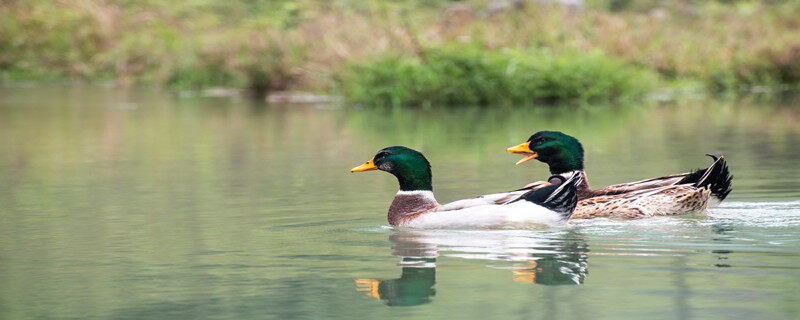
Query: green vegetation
[
  {"x": 193, "y": 45},
  {"x": 469, "y": 75},
  {"x": 415, "y": 52}
]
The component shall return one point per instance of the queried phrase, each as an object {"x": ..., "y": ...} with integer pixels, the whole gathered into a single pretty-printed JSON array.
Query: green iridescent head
[
  {"x": 409, "y": 166},
  {"x": 561, "y": 152}
]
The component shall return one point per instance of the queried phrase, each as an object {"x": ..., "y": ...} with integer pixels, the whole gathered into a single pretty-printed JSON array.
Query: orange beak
[
  {"x": 524, "y": 149},
  {"x": 370, "y": 165}
]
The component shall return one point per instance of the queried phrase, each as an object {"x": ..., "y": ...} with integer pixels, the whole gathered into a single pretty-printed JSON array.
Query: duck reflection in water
[
  {"x": 418, "y": 275},
  {"x": 559, "y": 262},
  {"x": 547, "y": 259}
]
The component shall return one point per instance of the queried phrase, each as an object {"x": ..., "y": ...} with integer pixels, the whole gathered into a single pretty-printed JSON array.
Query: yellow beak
[
  {"x": 370, "y": 165},
  {"x": 524, "y": 149}
]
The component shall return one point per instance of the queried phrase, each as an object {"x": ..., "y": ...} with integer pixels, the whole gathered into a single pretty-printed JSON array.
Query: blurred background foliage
[{"x": 407, "y": 52}]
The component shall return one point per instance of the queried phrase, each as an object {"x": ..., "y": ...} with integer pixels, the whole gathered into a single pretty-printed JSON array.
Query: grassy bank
[
  {"x": 404, "y": 51},
  {"x": 472, "y": 75}
]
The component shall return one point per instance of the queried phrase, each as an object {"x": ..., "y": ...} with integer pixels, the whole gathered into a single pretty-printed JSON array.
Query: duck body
[
  {"x": 690, "y": 192},
  {"x": 419, "y": 209},
  {"x": 415, "y": 205},
  {"x": 658, "y": 201}
]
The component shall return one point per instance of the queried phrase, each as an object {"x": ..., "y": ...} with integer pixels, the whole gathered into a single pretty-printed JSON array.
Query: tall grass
[
  {"x": 470, "y": 75},
  {"x": 197, "y": 44},
  {"x": 304, "y": 44}
]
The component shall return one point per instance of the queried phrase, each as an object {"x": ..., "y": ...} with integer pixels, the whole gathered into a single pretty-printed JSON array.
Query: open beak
[
  {"x": 524, "y": 149},
  {"x": 370, "y": 165}
]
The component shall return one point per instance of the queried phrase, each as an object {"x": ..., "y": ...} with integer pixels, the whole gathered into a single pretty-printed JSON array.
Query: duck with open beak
[
  {"x": 682, "y": 193},
  {"x": 524, "y": 149}
]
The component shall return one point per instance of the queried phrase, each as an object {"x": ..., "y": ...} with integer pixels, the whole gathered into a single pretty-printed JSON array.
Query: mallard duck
[
  {"x": 415, "y": 206},
  {"x": 681, "y": 193}
]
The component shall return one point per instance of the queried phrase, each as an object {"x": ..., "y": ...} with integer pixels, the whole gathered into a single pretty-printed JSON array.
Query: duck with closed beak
[{"x": 415, "y": 206}]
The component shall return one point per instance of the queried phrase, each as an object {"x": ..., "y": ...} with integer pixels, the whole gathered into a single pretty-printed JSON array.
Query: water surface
[{"x": 136, "y": 204}]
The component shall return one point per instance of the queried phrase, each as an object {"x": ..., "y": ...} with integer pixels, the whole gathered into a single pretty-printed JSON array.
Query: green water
[{"x": 140, "y": 204}]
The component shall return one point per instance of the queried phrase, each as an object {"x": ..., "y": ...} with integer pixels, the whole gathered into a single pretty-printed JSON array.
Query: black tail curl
[
  {"x": 561, "y": 198},
  {"x": 717, "y": 178}
]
